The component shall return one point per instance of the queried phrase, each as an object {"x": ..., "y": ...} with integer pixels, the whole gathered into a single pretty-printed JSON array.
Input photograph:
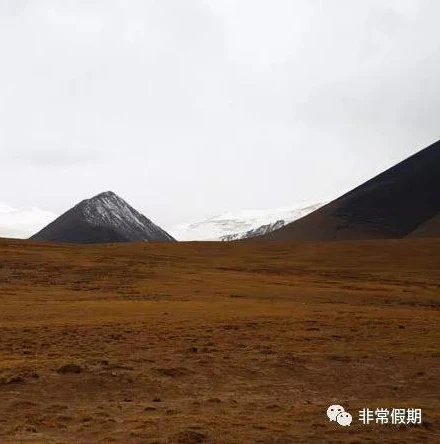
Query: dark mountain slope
[
  {"x": 104, "y": 218},
  {"x": 391, "y": 205}
]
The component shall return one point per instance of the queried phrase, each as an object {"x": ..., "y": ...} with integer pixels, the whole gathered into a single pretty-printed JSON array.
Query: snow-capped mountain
[
  {"x": 243, "y": 224},
  {"x": 22, "y": 222},
  {"x": 264, "y": 229},
  {"x": 102, "y": 219}
]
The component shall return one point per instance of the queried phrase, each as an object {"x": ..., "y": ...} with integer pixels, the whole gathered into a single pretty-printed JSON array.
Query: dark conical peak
[{"x": 105, "y": 217}]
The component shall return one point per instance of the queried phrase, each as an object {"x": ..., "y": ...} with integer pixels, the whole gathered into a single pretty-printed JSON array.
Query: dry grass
[{"x": 217, "y": 343}]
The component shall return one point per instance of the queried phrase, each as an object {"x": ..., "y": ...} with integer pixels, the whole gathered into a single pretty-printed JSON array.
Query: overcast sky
[{"x": 196, "y": 107}]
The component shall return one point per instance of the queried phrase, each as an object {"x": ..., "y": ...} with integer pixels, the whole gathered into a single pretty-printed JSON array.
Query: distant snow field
[
  {"x": 237, "y": 224},
  {"x": 22, "y": 223}
]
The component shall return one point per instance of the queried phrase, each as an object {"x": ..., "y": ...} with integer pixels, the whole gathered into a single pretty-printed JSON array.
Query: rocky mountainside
[
  {"x": 104, "y": 218},
  {"x": 402, "y": 201},
  {"x": 260, "y": 231}
]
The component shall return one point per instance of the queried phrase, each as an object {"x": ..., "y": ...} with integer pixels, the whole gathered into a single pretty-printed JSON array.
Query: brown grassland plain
[{"x": 217, "y": 342}]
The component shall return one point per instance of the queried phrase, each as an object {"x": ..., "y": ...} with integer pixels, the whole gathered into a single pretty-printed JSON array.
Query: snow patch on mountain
[
  {"x": 246, "y": 223},
  {"x": 109, "y": 210},
  {"x": 21, "y": 223},
  {"x": 105, "y": 207}
]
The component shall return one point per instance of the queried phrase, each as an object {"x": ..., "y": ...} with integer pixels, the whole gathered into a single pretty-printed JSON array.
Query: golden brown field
[{"x": 218, "y": 343}]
